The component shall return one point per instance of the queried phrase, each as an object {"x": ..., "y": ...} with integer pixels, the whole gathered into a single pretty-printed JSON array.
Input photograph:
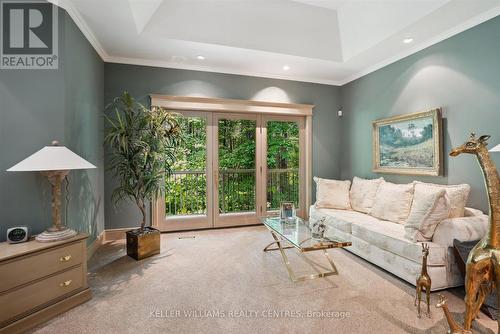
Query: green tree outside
[{"x": 185, "y": 189}]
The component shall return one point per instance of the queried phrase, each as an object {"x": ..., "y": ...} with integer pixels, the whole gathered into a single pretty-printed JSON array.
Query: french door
[{"x": 233, "y": 169}]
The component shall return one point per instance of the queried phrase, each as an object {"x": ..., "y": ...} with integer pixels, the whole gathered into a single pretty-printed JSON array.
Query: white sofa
[{"x": 383, "y": 243}]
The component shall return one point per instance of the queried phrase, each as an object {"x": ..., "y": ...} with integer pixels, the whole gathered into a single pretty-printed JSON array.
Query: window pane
[
  {"x": 185, "y": 192},
  {"x": 236, "y": 143}
]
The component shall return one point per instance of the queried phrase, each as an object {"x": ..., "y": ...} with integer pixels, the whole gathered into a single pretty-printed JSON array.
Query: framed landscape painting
[{"x": 408, "y": 144}]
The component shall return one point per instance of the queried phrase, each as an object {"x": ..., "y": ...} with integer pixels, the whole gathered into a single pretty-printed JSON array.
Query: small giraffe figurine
[
  {"x": 424, "y": 281},
  {"x": 483, "y": 263},
  {"x": 454, "y": 327}
]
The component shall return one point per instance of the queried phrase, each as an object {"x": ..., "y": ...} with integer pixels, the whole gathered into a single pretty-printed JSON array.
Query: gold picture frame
[{"x": 410, "y": 144}]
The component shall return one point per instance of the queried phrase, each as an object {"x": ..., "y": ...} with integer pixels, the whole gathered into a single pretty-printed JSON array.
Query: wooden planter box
[{"x": 143, "y": 243}]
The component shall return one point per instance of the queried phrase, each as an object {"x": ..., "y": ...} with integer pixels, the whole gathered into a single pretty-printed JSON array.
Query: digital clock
[{"x": 17, "y": 234}]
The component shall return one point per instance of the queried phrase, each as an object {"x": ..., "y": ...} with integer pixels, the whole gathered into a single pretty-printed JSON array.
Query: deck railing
[{"x": 186, "y": 190}]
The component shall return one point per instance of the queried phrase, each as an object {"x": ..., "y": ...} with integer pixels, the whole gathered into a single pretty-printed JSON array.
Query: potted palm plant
[{"x": 141, "y": 143}]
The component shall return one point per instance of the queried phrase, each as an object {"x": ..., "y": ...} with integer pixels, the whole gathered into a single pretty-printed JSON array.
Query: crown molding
[
  {"x": 213, "y": 69},
  {"x": 82, "y": 25},
  {"x": 92, "y": 39},
  {"x": 439, "y": 38},
  {"x": 87, "y": 32}
]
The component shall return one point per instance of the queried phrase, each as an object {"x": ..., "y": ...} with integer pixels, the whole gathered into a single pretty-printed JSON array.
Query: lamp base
[{"x": 49, "y": 236}]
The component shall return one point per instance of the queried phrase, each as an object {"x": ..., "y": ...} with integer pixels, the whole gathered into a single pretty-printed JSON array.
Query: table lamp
[{"x": 54, "y": 162}]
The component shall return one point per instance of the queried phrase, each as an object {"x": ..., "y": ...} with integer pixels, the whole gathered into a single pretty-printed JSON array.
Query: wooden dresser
[{"x": 41, "y": 280}]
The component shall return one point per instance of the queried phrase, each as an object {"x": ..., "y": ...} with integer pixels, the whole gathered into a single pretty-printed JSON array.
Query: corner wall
[
  {"x": 460, "y": 74},
  {"x": 83, "y": 129},
  {"x": 38, "y": 106}
]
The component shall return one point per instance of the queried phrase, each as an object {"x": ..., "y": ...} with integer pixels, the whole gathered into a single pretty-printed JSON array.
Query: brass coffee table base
[{"x": 329, "y": 271}]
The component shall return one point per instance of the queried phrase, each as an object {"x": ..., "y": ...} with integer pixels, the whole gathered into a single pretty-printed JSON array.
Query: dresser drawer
[
  {"x": 38, "y": 265},
  {"x": 19, "y": 301}
]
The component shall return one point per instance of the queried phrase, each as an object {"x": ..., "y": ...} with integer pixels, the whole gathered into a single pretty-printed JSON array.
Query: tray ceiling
[{"x": 323, "y": 41}]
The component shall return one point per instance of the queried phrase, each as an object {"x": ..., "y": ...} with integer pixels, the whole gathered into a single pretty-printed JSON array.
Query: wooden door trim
[
  {"x": 229, "y": 105},
  {"x": 212, "y": 106}
]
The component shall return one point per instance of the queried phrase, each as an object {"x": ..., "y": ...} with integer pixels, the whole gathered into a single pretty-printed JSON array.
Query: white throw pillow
[
  {"x": 393, "y": 202},
  {"x": 457, "y": 195},
  {"x": 332, "y": 194},
  {"x": 429, "y": 208},
  {"x": 363, "y": 193}
]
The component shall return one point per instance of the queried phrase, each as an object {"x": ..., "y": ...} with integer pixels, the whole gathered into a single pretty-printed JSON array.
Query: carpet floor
[{"x": 221, "y": 281}]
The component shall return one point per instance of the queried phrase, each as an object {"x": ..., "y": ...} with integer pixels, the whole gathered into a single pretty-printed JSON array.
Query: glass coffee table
[{"x": 295, "y": 233}]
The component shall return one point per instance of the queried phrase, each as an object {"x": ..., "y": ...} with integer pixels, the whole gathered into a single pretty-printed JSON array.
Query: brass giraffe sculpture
[
  {"x": 424, "y": 281},
  {"x": 455, "y": 328},
  {"x": 483, "y": 263}
]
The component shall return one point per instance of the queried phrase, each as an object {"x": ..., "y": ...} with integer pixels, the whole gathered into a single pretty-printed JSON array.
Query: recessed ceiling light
[
  {"x": 200, "y": 57},
  {"x": 286, "y": 68},
  {"x": 408, "y": 40}
]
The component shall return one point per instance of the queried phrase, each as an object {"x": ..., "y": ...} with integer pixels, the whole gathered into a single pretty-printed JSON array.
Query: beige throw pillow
[
  {"x": 430, "y": 207},
  {"x": 363, "y": 193},
  {"x": 393, "y": 202},
  {"x": 457, "y": 195},
  {"x": 332, "y": 194}
]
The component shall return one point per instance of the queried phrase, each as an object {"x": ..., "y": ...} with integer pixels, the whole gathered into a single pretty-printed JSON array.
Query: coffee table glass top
[{"x": 297, "y": 232}]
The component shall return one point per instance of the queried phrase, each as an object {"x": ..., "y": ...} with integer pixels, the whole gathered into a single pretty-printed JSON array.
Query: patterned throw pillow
[
  {"x": 430, "y": 207},
  {"x": 332, "y": 194},
  {"x": 457, "y": 195},
  {"x": 363, "y": 193},
  {"x": 393, "y": 202}
]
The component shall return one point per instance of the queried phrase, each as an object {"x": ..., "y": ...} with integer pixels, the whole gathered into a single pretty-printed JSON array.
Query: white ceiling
[{"x": 323, "y": 41}]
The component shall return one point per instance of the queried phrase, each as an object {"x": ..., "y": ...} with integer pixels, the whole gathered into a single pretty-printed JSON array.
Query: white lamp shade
[
  {"x": 496, "y": 148},
  {"x": 51, "y": 158}
]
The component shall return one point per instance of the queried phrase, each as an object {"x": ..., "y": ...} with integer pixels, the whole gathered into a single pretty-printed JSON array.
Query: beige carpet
[{"x": 222, "y": 282}]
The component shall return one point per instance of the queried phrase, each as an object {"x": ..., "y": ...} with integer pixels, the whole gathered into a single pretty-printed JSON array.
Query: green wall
[
  {"x": 141, "y": 81},
  {"x": 460, "y": 74},
  {"x": 38, "y": 106}
]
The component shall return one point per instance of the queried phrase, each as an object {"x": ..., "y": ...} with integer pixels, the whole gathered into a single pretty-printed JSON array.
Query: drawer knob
[
  {"x": 65, "y": 258},
  {"x": 66, "y": 283}
]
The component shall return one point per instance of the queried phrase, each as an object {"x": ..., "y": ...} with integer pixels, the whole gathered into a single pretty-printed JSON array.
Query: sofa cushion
[
  {"x": 393, "y": 201},
  {"x": 457, "y": 195},
  {"x": 390, "y": 237},
  {"x": 332, "y": 194},
  {"x": 430, "y": 206},
  {"x": 363, "y": 193},
  {"x": 341, "y": 219},
  {"x": 462, "y": 229}
]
